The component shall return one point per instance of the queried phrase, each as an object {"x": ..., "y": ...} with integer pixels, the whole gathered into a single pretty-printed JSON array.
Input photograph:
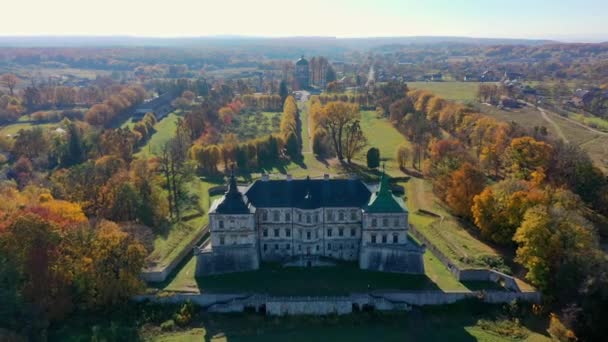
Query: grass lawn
[
  {"x": 325, "y": 280},
  {"x": 458, "y": 91},
  {"x": 13, "y": 129},
  {"x": 168, "y": 246},
  {"x": 165, "y": 130}
]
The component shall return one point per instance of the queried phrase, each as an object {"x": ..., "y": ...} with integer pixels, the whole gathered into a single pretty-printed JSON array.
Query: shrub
[
  {"x": 183, "y": 317},
  {"x": 168, "y": 325}
]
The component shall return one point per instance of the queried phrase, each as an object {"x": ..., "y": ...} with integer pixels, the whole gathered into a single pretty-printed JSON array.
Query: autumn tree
[
  {"x": 354, "y": 140},
  {"x": 403, "y": 155},
  {"x": 10, "y": 81},
  {"x": 465, "y": 183},
  {"x": 554, "y": 244},
  {"x": 337, "y": 116},
  {"x": 526, "y": 155},
  {"x": 117, "y": 260}
]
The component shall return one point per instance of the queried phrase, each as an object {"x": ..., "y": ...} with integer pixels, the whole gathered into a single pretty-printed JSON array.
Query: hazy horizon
[{"x": 518, "y": 19}]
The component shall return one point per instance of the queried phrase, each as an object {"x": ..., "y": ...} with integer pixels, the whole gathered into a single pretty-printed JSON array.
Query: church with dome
[{"x": 308, "y": 222}]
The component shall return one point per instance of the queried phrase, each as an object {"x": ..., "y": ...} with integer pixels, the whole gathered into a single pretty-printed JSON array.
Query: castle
[{"x": 308, "y": 222}]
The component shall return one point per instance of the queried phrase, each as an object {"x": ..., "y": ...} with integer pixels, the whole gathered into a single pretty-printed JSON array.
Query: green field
[
  {"x": 165, "y": 130},
  {"x": 250, "y": 124},
  {"x": 457, "y": 91},
  {"x": 13, "y": 129}
]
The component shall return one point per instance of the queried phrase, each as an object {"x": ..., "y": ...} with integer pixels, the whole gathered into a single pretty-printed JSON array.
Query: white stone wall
[
  {"x": 227, "y": 230},
  {"x": 387, "y": 229}
]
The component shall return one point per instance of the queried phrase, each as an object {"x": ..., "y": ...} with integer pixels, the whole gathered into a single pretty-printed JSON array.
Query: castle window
[
  {"x": 275, "y": 216},
  {"x": 276, "y": 246},
  {"x": 222, "y": 239},
  {"x": 234, "y": 239},
  {"x": 265, "y": 232},
  {"x": 340, "y": 246},
  {"x": 299, "y": 247},
  {"x": 288, "y": 246},
  {"x": 221, "y": 223},
  {"x": 264, "y": 215},
  {"x": 316, "y": 218},
  {"x": 353, "y": 232},
  {"x": 341, "y": 216},
  {"x": 265, "y": 247},
  {"x": 341, "y": 232},
  {"x": 287, "y": 217},
  {"x": 317, "y": 248},
  {"x": 330, "y": 216},
  {"x": 276, "y": 233},
  {"x": 395, "y": 238},
  {"x": 384, "y": 238},
  {"x": 308, "y": 218},
  {"x": 288, "y": 232},
  {"x": 329, "y": 231},
  {"x": 307, "y": 235},
  {"x": 317, "y": 234},
  {"x": 373, "y": 238},
  {"x": 374, "y": 222},
  {"x": 299, "y": 217},
  {"x": 385, "y": 222},
  {"x": 329, "y": 246},
  {"x": 353, "y": 215},
  {"x": 396, "y": 223}
]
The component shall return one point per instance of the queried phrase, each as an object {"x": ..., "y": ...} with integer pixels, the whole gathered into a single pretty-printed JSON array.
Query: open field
[
  {"x": 595, "y": 144},
  {"x": 458, "y": 91},
  {"x": 165, "y": 130}
]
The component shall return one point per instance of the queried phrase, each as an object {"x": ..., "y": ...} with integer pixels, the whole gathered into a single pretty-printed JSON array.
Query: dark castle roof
[
  {"x": 308, "y": 193},
  {"x": 233, "y": 201}
]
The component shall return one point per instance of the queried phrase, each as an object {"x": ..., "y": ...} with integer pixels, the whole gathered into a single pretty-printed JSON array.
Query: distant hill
[{"x": 224, "y": 41}]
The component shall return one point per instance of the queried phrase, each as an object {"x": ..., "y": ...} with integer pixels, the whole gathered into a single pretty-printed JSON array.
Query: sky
[{"x": 580, "y": 20}]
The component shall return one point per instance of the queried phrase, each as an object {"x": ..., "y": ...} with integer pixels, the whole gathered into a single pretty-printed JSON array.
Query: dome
[{"x": 302, "y": 61}]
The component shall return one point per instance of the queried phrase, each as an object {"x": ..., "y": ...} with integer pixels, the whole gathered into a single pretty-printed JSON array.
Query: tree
[
  {"x": 75, "y": 151},
  {"x": 336, "y": 117},
  {"x": 403, "y": 154},
  {"x": 292, "y": 146},
  {"x": 283, "y": 91},
  {"x": 354, "y": 140},
  {"x": 117, "y": 260},
  {"x": 526, "y": 155},
  {"x": 499, "y": 209},
  {"x": 465, "y": 183},
  {"x": 10, "y": 81},
  {"x": 555, "y": 244},
  {"x": 373, "y": 158},
  {"x": 330, "y": 75}
]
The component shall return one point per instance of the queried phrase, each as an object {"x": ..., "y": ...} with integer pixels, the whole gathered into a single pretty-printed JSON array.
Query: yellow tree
[
  {"x": 526, "y": 155},
  {"x": 117, "y": 260},
  {"x": 337, "y": 116}
]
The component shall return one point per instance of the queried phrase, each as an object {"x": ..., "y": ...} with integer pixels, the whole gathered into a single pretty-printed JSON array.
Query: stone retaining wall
[
  {"x": 160, "y": 274},
  {"x": 467, "y": 274},
  {"x": 378, "y": 300}
]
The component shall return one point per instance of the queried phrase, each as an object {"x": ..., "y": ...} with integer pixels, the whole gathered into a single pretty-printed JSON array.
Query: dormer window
[{"x": 221, "y": 224}]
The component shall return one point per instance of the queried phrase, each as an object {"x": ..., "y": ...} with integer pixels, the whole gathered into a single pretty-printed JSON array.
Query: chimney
[
  {"x": 326, "y": 176},
  {"x": 264, "y": 177},
  {"x": 289, "y": 178}
]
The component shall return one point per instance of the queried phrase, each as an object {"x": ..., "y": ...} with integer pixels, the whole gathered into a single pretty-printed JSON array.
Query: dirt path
[
  {"x": 553, "y": 123},
  {"x": 306, "y": 131}
]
